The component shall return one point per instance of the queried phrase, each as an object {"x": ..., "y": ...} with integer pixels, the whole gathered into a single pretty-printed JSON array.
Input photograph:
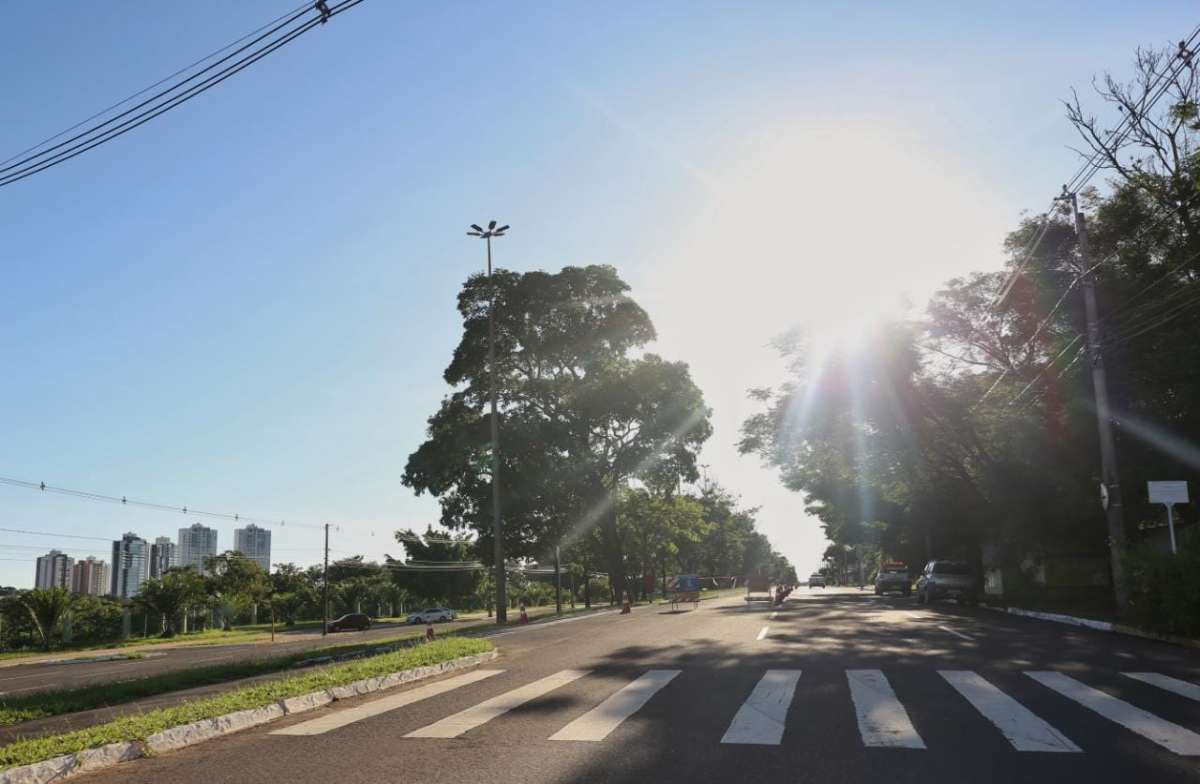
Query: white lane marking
[
  {"x": 469, "y": 719},
  {"x": 333, "y": 721},
  {"x": 1182, "y": 688},
  {"x": 761, "y": 718},
  {"x": 1166, "y": 734},
  {"x": 1024, "y": 730},
  {"x": 882, "y": 720},
  {"x": 543, "y": 624},
  {"x": 956, "y": 633},
  {"x": 597, "y": 723},
  {"x": 763, "y": 633}
]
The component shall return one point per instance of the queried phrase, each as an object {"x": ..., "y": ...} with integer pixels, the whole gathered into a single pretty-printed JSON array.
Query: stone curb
[
  {"x": 59, "y": 768},
  {"x": 1102, "y": 626}
]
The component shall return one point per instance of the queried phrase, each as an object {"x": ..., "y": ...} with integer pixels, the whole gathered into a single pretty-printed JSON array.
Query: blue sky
[{"x": 246, "y": 305}]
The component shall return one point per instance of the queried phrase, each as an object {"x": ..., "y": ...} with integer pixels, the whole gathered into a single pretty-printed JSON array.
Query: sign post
[{"x": 1169, "y": 494}]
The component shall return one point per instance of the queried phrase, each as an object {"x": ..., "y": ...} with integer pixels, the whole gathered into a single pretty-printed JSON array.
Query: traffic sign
[{"x": 1168, "y": 494}]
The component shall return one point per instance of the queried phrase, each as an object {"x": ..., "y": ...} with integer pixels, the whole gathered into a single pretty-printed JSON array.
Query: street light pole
[
  {"x": 500, "y": 576},
  {"x": 325, "y": 587}
]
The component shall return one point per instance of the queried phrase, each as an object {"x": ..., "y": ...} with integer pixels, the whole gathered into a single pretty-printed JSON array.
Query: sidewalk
[{"x": 1093, "y": 623}]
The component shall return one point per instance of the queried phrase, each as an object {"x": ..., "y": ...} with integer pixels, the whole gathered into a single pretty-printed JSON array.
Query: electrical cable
[{"x": 31, "y": 166}]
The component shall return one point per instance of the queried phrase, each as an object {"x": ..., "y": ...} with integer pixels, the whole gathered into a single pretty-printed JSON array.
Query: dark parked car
[
  {"x": 947, "y": 580},
  {"x": 350, "y": 622}
]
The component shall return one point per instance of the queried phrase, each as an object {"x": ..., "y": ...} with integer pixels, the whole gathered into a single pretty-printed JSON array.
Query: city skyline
[{"x": 60, "y": 567}]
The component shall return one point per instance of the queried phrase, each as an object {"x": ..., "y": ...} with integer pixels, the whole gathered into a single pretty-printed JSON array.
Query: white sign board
[{"x": 1168, "y": 492}]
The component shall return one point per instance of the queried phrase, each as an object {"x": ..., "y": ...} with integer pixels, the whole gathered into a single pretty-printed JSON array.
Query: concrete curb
[
  {"x": 1102, "y": 626},
  {"x": 59, "y": 768}
]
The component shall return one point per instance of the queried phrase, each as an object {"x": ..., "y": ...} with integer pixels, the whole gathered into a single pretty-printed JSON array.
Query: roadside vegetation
[
  {"x": 142, "y": 725},
  {"x": 969, "y": 431},
  {"x": 43, "y": 704}
]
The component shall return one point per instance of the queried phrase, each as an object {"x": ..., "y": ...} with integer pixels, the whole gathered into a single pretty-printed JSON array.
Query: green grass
[
  {"x": 207, "y": 637},
  {"x": 142, "y": 725},
  {"x": 40, "y": 705}
]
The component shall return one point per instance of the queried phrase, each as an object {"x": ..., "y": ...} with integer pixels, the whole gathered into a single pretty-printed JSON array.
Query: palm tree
[
  {"x": 170, "y": 594},
  {"x": 46, "y": 608},
  {"x": 353, "y": 591}
]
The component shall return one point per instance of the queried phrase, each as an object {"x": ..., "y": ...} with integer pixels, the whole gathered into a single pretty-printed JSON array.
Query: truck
[{"x": 758, "y": 588}]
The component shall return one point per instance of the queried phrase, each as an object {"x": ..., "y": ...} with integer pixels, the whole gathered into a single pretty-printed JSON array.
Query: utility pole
[
  {"x": 557, "y": 584},
  {"x": 325, "y": 587},
  {"x": 501, "y": 576},
  {"x": 1113, "y": 512}
]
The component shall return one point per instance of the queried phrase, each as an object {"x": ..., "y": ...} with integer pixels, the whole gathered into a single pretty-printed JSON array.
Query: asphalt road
[
  {"x": 18, "y": 679},
  {"x": 840, "y": 687}
]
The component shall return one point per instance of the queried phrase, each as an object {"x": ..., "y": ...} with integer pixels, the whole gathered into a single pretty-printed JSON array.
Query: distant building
[
  {"x": 53, "y": 570},
  {"x": 254, "y": 542},
  {"x": 90, "y": 576},
  {"x": 164, "y": 555},
  {"x": 195, "y": 545},
  {"x": 130, "y": 566}
]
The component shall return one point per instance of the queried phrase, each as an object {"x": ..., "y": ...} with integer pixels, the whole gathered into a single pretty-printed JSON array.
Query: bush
[
  {"x": 95, "y": 619},
  {"x": 1165, "y": 588},
  {"x": 599, "y": 589}
]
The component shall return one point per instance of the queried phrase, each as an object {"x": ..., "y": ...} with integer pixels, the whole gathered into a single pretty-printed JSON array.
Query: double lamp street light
[{"x": 500, "y": 576}]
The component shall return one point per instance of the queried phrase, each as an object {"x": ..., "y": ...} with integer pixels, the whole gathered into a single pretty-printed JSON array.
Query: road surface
[{"x": 833, "y": 687}]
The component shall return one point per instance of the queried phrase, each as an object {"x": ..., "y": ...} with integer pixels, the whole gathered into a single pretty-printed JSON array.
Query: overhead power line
[
  {"x": 185, "y": 509},
  {"x": 1112, "y": 255},
  {"x": 148, "y": 88},
  {"x": 126, "y": 501},
  {"x": 1095, "y": 162},
  {"x": 95, "y": 134}
]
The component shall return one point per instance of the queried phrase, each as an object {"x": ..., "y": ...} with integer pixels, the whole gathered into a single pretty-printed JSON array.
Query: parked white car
[{"x": 433, "y": 615}]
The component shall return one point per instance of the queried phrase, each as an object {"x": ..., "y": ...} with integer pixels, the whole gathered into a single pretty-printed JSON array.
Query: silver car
[
  {"x": 893, "y": 578},
  {"x": 433, "y": 615},
  {"x": 947, "y": 580}
]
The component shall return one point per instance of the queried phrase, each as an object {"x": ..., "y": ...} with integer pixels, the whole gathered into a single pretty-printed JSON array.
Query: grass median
[
  {"x": 142, "y": 725},
  {"x": 44, "y": 704}
]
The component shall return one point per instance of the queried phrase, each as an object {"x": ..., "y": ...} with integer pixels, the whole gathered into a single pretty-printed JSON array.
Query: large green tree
[
  {"x": 439, "y": 566},
  {"x": 582, "y": 412}
]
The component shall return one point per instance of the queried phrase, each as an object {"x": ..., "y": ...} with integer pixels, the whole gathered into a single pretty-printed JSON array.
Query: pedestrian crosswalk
[
  {"x": 1024, "y": 730},
  {"x": 762, "y": 717},
  {"x": 880, "y": 716}
]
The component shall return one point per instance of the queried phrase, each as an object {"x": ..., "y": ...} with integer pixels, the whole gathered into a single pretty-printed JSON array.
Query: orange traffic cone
[
  {"x": 524, "y": 615},
  {"x": 625, "y": 608}
]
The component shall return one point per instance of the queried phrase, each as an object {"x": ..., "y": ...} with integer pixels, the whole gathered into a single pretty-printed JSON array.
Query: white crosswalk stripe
[
  {"x": 1024, "y": 730},
  {"x": 341, "y": 718},
  {"x": 1166, "y": 734},
  {"x": 882, "y": 720},
  {"x": 761, "y": 718},
  {"x": 1182, "y": 688},
  {"x": 596, "y": 724},
  {"x": 469, "y": 719}
]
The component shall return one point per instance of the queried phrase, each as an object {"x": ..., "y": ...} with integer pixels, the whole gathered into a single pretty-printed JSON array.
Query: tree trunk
[{"x": 611, "y": 541}]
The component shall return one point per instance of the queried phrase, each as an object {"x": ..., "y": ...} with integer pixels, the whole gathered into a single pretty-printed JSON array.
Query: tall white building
[
  {"x": 195, "y": 545},
  {"x": 90, "y": 576},
  {"x": 130, "y": 565},
  {"x": 254, "y": 542},
  {"x": 53, "y": 570},
  {"x": 164, "y": 555}
]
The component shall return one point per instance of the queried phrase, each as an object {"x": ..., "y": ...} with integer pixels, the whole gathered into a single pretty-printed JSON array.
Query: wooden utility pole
[{"x": 1113, "y": 511}]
